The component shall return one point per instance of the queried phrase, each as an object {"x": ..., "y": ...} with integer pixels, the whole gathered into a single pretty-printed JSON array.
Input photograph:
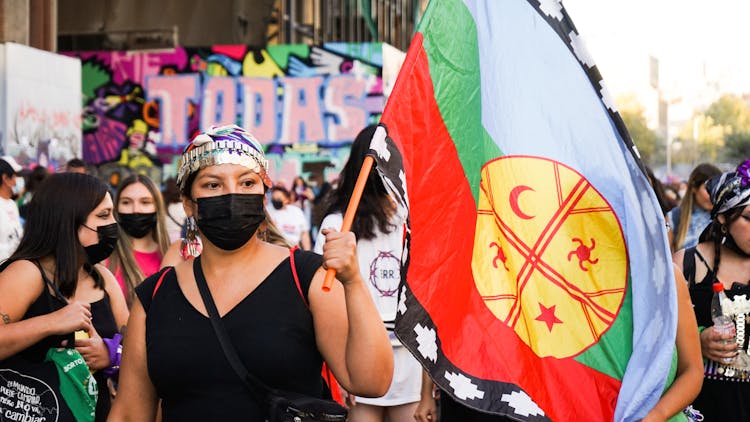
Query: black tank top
[
  {"x": 101, "y": 313},
  {"x": 105, "y": 325},
  {"x": 702, "y": 292},
  {"x": 101, "y": 316},
  {"x": 271, "y": 329},
  {"x": 45, "y": 304},
  {"x": 720, "y": 399}
]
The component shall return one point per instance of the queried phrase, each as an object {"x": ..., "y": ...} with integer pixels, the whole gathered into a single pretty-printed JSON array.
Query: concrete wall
[
  {"x": 199, "y": 22},
  {"x": 14, "y": 21}
]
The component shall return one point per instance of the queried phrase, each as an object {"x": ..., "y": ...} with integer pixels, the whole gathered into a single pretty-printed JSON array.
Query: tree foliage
[
  {"x": 648, "y": 142},
  {"x": 732, "y": 115},
  {"x": 732, "y": 112},
  {"x": 737, "y": 147},
  {"x": 719, "y": 134}
]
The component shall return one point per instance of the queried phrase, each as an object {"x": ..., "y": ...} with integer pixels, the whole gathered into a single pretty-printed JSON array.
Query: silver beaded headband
[{"x": 222, "y": 145}]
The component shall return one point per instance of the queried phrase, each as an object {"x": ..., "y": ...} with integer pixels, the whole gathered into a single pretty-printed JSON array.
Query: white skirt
[{"x": 406, "y": 384}]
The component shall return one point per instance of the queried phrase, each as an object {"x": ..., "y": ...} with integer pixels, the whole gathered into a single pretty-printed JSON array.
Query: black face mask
[
  {"x": 138, "y": 225},
  {"x": 107, "y": 241},
  {"x": 277, "y": 203},
  {"x": 229, "y": 221}
]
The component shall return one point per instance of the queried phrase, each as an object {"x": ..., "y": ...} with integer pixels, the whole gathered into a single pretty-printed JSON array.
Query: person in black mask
[
  {"x": 53, "y": 284},
  {"x": 144, "y": 240},
  {"x": 270, "y": 299}
]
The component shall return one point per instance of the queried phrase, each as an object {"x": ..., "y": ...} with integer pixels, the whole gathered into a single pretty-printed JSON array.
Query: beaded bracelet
[{"x": 740, "y": 330}]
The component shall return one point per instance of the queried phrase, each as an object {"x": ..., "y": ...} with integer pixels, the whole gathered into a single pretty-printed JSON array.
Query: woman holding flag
[
  {"x": 276, "y": 316},
  {"x": 379, "y": 228}
]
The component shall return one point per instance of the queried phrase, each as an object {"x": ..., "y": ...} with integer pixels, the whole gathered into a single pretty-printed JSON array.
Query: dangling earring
[
  {"x": 263, "y": 233},
  {"x": 191, "y": 243},
  {"x": 723, "y": 234}
]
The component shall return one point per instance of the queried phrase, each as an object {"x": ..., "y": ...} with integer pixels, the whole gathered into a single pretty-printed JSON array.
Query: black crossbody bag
[{"x": 283, "y": 406}]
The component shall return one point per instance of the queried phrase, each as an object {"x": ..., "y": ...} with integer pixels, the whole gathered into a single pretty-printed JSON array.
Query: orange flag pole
[{"x": 351, "y": 209}]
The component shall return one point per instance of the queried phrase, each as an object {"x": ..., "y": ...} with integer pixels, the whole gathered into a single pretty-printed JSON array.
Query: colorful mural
[{"x": 304, "y": 103}]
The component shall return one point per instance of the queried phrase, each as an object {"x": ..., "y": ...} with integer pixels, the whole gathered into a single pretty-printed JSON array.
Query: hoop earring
[{"x": 191, "y": 243}]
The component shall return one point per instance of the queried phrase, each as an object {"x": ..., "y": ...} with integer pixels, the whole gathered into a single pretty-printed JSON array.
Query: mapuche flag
[{"x": 538, "y": 280}]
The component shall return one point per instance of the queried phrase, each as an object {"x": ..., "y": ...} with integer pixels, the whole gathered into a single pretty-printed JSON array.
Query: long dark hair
[
  {"x": 375, "y": 208},
  {"x": 59, "y": 207},
  {"x": 715, "y": 232},
  {"x": 658, "y": 188}
]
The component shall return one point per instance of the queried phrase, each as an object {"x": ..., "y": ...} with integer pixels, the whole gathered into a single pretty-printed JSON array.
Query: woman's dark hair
[
  {"x": 716, "y": 231},
  {"x": 59, "y": 207},
  {"x": 171, "y": 192},
  {"x": 375, "y": 208},
  {"x": 36, "y": 177},
  {"x": 185, "y": 191},
  {"x": 658, "y": 188}
]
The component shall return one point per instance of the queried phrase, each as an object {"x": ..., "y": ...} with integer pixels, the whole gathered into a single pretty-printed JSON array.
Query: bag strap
[
  {"x": 253, "y": 384},
  {"x": 296, "y": 277},
  {"x": 158, "y": 282},
  {"x": 49, "y": 284}
]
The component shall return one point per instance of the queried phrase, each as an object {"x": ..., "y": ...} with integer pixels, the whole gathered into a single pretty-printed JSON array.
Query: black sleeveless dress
[
  {"x": 271, "y": 329},
  {"x": 721, "y": 398},
  {"x": 47, "y": 303},
  {"x": 105, "y": 325}
]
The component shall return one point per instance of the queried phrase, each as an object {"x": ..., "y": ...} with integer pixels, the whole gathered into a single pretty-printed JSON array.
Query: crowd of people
[{"x": 218, "y": 275}]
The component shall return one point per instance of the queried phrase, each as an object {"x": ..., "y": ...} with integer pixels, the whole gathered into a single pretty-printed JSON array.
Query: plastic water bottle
[{"x": 722, "y": 323}]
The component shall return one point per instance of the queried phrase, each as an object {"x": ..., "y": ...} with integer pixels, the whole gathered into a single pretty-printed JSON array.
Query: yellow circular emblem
[{"x": 549, "y": 254}]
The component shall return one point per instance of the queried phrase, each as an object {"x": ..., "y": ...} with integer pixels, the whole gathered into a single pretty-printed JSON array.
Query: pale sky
[{"x": 703, "y": 47}]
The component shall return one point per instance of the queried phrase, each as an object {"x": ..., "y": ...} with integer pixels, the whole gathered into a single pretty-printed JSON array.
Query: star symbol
[{"x": 548, "y": 316}]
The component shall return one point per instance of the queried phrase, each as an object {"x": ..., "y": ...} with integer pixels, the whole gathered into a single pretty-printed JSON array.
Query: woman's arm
[
  {"x": 20, "y": 285},
  {"x": 97, "y": 352},
  {"x": 136, "y": 395},
  {"x": 427, "y": 408},
  {"x": 348, "y": 329},
  {"x": 714, "y": 345},
  {"x": 689, "y": 379}
]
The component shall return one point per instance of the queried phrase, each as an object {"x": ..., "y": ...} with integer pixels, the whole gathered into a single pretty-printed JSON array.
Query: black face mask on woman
[
  {"x": 229, "y": 221},
  {"x": 137, "y": 225},
  {"x": 107, "y": 241}
]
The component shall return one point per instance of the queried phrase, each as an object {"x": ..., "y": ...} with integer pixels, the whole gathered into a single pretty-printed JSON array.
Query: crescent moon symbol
[{"x": 514, "y": 194}]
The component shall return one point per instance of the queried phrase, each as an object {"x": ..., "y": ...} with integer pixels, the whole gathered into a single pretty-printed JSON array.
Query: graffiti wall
[
  {"x": 41, "y": 119},
  {"x": 304, "y": 103}
]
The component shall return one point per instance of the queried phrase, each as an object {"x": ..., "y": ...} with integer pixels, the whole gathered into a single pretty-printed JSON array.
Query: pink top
[{"x": 149, "y": 263}]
